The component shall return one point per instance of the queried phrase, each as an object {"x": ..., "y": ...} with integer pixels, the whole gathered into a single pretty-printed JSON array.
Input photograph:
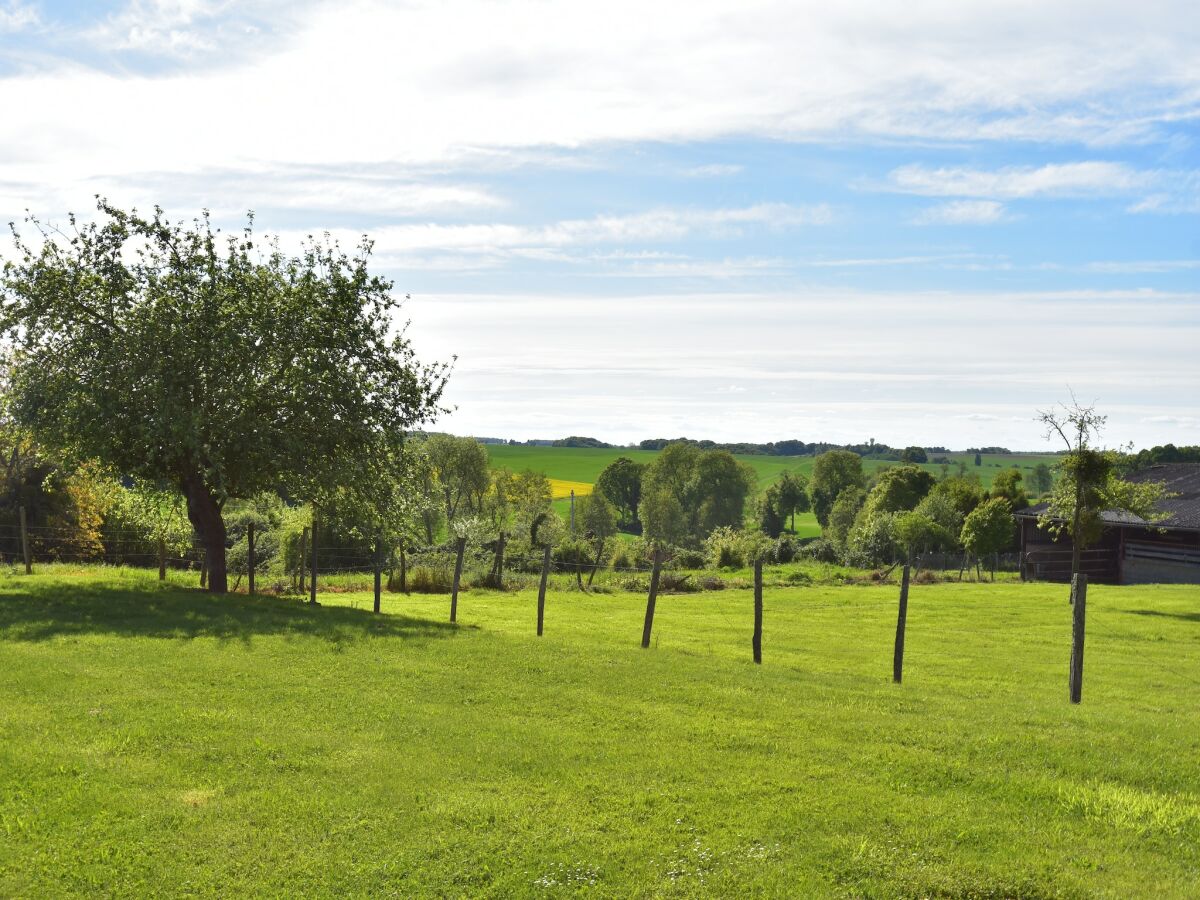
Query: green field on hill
[
  {"x": 585, "y": 464},
  {"x": 160, "y": 741}
]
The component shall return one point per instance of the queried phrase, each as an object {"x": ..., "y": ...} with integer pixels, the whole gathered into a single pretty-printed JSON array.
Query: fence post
[
  {"x": 162, "y": 560},
  {"x": 250, "y": 554},
  {"x": 756, "y": 641},
  {"x": 303, "y": 557},
  {"x": 651, "y": 598},
  {"x": 1079, "y": 598},
  {"x": 378, "y": 572},
  {"x": 460, "y": 546},
  {"x": 312, "y": 559},
  {"x": 204, "y": 568},
  {"x": 25, "y": 545},
  {"x": 542, "y": 588},
  {"x": 901, "y": 620}
]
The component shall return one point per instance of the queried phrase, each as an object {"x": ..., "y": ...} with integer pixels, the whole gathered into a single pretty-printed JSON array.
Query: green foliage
[
  {"x": 989, "y": 528},
  {"x": 964, "y": 491},
  {"x": 939, "y": 507},
  {"x": 1042, "y": 479},
  {"x": 688, "y": 492},
  {"x": 730, "y": 548},
  {"x": 899, "y": 489},
  {"x": 872, "y": 541},
  {"x": 1008, "y": 484},
  {"x": 217, "y": 364},
  {"x": 915, "y": 533},
  {"x": 833, "y": 473},
  {"x": 914, "y": 455},
  {"x": 458, "y": 467},
  {"x": 771, "y": 513},
  {"x": 621, "y": 483},
  {"x": 1089, "y": 482},
  {"x": 844, "y": 512}
]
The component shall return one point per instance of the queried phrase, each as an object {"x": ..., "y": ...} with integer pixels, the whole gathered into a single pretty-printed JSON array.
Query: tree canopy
[
  {"x": 216, "y": 363},
  {"x": 833, "y": 472}
]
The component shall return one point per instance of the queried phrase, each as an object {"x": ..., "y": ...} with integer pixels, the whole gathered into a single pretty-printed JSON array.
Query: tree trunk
[
  {"x": 596, "y": 564},
  {"x": 204, "y": 512}
]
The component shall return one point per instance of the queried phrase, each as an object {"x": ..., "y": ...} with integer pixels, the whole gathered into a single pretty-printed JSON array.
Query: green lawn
[{"x": 157, "y": 741}]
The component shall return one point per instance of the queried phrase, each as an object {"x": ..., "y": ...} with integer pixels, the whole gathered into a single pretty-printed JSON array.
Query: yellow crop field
[{"x": 560, "y": 489}]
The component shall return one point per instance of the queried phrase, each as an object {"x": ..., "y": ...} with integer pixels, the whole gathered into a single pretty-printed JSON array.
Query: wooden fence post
[
  {"x": 756, "y": 641},
  {"x": 25, "y": 545},
  {"x": 250, "y": 555},
  {"x": 312, "y": 559},
  {"x": 901, "y": 620},
  {"x": 460, "y": 548},
  {"x": 303, "y": 557},
  {"x": 651, "y": 598},
  {"x": 162, "y": 560},
  {"x": 542, "y": 588},
  {"x": 1079, "y": 598},
  {"x": 378, "y": 572}
]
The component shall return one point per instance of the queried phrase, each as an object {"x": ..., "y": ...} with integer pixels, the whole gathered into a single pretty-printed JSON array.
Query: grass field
[
  {"x": 161, "y": 741},
  {"x": 583, "y": 465}
]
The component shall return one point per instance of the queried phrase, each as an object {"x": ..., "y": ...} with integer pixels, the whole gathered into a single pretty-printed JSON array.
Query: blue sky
[{"x": 916, "y": 222}]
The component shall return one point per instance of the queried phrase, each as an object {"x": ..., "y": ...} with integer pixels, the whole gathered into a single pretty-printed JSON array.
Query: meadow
[
  {"x": 158, "y": 740},
  {"x": 583, "y": 465}
]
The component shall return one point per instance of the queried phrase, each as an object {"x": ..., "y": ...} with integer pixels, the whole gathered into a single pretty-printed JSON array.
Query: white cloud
[
  {"x": 1077, "y": 179},
  {"x": 17, "y": 16},
  {"x": 713, "y": 170},
  {"x": 653, "y": 226},
  {"x": 659, "y": 363},
  {"x": 963, "y": 212},
  {"x": 362, "y": 82}
]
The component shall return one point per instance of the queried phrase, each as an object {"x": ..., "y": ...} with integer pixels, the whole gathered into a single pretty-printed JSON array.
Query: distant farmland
[{"x": 579, "y": 467}]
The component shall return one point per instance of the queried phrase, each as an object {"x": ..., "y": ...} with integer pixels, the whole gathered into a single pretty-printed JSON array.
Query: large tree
[
  {"x": 621, "y": 484},
  {"x": 833, "y": 472},
  {"x": 214, "y": 362}
]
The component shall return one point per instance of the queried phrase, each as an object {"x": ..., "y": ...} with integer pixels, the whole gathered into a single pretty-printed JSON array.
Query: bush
[
  {"x": 630, "y": 554},
  {"x": 784, "y": 550},
  {"x": 688, "y": 559},
  {"x": 872, "y": 541},
  {"x": 822, "y": 550},
  {"x": 430, "y": 580},
  {"x": 730, "y": 549},
  {"x": 572, "y": 555}
]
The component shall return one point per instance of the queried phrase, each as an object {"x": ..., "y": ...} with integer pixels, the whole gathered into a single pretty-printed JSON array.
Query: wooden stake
[
  {"x": 901, "y": 619},
  {"x": 651, "y": 599},
  {"x": 378, "y": 573},
  {"x": 542, "y": 588},
  {"x": 1079, "y": 601},
  {"x": 162, "y": 560},
  {"x": 250, "y": 554},
  {"x": 303, "y": 557},
  {"x": 756, "y": 641},
  {"x": 25, "y": 545},
  {"x": 460, "y": 547},
  {"x": 312, "y": 559}
]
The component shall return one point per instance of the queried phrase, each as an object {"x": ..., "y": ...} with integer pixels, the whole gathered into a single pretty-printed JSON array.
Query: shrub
[
  {"x": 730, "y": 549},
  {"x": 630, "y": 554},
  {"x": 822, "y": 550},
  {"x": 873, "y": 542},
  {"x": 784, "y": 550},
  {"x": 426, "y": 579},
  {"x": 688, "y": 559}
]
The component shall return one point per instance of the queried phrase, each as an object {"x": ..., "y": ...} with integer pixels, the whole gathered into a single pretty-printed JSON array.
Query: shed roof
[{"x": 1182, "y": 510}]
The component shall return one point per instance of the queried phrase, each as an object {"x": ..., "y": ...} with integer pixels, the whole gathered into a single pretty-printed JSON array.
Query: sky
[{"x": 748, "y": 221}]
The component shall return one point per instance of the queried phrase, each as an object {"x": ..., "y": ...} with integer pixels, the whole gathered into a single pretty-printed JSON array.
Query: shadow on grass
[
  {"x": 1182, "y": 616},
  {"x": 40, "y": 611}
]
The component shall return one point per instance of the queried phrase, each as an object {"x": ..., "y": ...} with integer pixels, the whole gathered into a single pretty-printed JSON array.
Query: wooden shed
[{"x": 1130, "y": 550}]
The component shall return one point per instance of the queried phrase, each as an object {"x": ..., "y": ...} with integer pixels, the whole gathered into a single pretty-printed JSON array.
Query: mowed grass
[{"x": 161, "y": 741}]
